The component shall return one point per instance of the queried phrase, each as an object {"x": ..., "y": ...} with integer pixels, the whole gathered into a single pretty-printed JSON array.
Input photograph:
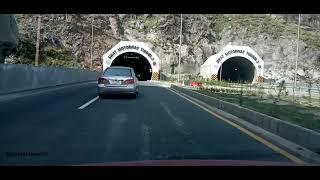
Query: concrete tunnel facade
[
  {"x": 234, "y": 64},
  {"x": 136, "y": 55}
]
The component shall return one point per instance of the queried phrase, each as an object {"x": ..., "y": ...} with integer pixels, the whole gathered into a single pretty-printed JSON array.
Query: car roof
[{"x": 119, "y": 67}]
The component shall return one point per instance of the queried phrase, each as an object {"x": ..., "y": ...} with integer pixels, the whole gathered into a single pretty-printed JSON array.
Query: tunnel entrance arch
[
  {"x": 139, "y": 63},
  {"x": 234, "y": 63},
  {"x": 237, "y": 70},
  {"x": 136, "y": 55}
]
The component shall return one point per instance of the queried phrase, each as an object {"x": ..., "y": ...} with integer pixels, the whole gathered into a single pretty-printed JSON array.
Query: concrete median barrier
[
  {"x": 297, "y": 134},
  {"x": 20, "y": 77}
]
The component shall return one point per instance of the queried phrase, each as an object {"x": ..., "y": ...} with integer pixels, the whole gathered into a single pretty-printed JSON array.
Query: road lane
[
  {"x": 31, "y": 123},
  {"x": 156, "y": 125},
  {"x": 242, "y": 129}
]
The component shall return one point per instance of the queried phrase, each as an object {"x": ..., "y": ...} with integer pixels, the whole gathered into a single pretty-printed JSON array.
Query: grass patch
[{"x": 296, "y": 114}]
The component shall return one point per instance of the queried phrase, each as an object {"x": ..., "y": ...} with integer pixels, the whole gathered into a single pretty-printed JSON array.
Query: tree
[
  {"x": 308, "y": 77},
  {"x": 241, "y": 95},
  {"x": 309, "y": 85},
  {"x": 280, "y": 88},
  {"x": 8, "y": 36},
  {"x": 317, "y": 82}
]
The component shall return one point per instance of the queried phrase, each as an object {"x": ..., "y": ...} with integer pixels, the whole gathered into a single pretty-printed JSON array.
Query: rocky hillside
[{"x": 66, "y": 39}]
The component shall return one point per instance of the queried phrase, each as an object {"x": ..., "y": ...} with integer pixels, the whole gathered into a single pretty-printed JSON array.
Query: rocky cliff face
[{"x": 273, "y": 37}]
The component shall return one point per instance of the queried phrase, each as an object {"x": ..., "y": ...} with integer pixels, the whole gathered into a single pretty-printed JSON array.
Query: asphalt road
[{"x": 156, "y": 125}]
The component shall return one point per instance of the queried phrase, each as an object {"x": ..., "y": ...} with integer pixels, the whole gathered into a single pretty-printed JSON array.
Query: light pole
[
  {"x": 220, "y": 72},
  {"x": 38, "y": 41},
  {"x": 179, "y": 69},
  {"x": 295, "y": 73}
]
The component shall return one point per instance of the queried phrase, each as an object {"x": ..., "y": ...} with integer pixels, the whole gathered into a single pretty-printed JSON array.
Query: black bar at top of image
[{"x": 159, "y": 6}]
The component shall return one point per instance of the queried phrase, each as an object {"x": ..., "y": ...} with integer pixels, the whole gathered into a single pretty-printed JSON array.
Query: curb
[{"x": 295, "y": 149}]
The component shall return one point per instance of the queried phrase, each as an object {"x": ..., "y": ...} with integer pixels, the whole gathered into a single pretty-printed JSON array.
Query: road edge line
[{"x": 249, "y": 133}]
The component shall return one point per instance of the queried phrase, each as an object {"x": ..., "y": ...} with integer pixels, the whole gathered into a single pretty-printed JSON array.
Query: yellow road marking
[{"x": 263, "y": 141}]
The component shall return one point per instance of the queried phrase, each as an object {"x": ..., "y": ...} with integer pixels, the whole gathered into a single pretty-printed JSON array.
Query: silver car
[{"x": 118, "y": 80}]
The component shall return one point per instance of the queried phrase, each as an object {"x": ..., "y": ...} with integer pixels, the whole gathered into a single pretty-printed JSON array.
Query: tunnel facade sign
[
  {"x": 129, "y": 46},
  {"x": 210, "y": 68}
]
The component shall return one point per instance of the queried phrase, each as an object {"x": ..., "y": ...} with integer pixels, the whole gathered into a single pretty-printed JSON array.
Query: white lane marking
[
  {"x": 114, "y": 133},
  {"x": 177, "y": 121},
  {"x": 88, "y": 103},
  {"x": 146, "y": 130},
  {"x": 154, "y": 83}
]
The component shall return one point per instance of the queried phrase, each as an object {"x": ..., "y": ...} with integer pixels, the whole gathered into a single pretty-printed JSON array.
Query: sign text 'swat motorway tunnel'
[
  {"x": 235, "y": 64},
  {"x": 136, "y": 55},
  {"x": 232, "y": 63}
]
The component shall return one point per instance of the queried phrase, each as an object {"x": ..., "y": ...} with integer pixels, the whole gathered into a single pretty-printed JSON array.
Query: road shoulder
[
  {"x": 20, "y": 94},
  {"x": 289, "y": 149}
]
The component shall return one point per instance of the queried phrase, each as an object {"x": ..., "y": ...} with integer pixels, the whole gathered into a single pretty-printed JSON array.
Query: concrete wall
[
  {"x": 18, "y": 77},
  {"x": 297, "y": 134}
]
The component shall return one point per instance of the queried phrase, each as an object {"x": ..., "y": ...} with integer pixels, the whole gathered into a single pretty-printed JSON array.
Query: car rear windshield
[{"x": 117, "y": 72}]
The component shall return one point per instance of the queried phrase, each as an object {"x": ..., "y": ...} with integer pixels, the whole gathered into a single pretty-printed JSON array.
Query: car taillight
[
  {"x": 103, "y": 81},
  {"x": 128, "y": 81}
]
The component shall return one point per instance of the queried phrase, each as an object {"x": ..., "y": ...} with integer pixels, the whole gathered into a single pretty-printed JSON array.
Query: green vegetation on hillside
[
  {"x": 26, "y": 48},
  {"x": 151, "y": 23},
  {"x": 219, "y": 23},
  {"x": 256, "y": 25},
  {"x": 58, "y": 58},
  {"x": 49, "y": 56}
]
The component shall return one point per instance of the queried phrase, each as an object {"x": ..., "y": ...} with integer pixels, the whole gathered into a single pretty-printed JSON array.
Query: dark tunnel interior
[
  {"x": 237, "y": 70},
  {"x": 136, "y": 61}
]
